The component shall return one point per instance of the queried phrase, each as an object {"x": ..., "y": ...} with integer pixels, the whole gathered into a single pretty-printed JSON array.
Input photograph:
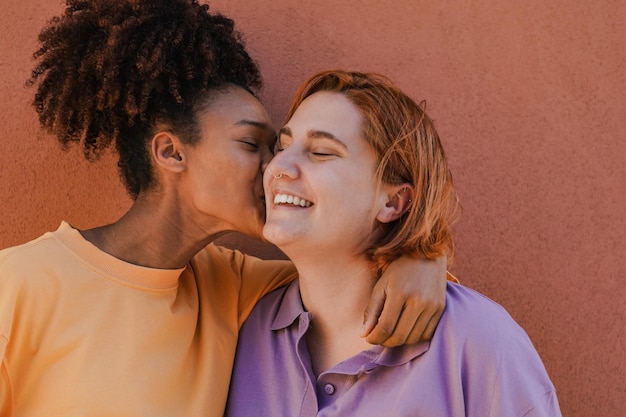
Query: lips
[{"x": 294, "y": 200}]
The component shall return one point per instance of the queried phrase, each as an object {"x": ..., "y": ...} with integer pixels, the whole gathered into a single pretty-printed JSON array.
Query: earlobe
[
  {"x": 167, "y": 151},
  {"x": 398, "y": 201}
]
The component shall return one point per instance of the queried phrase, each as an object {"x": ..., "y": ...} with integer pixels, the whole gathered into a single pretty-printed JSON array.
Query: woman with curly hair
[{"x": 141, "y": 316}]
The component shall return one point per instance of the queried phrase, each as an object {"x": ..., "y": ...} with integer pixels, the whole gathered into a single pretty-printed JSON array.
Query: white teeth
[{"x": 291, "y": 199}]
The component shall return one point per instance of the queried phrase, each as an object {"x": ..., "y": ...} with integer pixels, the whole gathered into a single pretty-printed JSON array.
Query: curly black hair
[{"x": 111, "y": 71}]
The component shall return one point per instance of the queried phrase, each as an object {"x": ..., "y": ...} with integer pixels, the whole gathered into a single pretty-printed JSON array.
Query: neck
[
  {"x": 154, "y": 234},
  {"x": 336, "y": 294}
]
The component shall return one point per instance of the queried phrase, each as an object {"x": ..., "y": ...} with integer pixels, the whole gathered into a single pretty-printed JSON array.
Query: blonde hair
[{"x": 409, "y": 151}]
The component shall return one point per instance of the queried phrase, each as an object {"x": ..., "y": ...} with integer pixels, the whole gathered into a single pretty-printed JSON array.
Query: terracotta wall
[{"x": 529, "y": 98}]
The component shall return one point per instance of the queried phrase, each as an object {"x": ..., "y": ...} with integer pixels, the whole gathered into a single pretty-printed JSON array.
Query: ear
[
  {"x": 397, "y": 201},
  {"x": 168, "y": 151}
]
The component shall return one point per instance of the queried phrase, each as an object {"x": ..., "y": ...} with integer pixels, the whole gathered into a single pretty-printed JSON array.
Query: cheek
[
  {"x": 239, "y": 175},
  {"x": 247, "y": 166},
  {"x": 356, "y": 202}
]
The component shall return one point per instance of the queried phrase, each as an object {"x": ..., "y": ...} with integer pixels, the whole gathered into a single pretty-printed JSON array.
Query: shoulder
[
  {"x": 476, "y": 316},
  {"x": 26, "y": 250},
  {"x": 221, "y": 261},
  {"x": 217, "y": 261},
  {"x": 51, "y": 249},
  {"x": 232, "y": 259},
  {"x": 276, "y": 309},
  {"x": 230, "y": 273},
  {"x": 27, "y": 279},
  {"x": 25, "y": 261},
  {"x": 270, "y": 303},
  {"x": 492, "y": 349},
  {"x": 485, "y": 334}
]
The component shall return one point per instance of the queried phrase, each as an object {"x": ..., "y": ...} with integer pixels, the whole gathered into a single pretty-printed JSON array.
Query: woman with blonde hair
[{"x": 297, "y": 354}]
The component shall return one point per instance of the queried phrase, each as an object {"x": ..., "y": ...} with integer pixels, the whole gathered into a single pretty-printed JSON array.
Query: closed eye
[
  {"x": 324, "y": 152},
  {"x": 250, "y": 144}
]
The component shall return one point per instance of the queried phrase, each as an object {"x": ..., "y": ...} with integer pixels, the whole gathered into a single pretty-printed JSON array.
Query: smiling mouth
[{"x": 291, "y": 199}]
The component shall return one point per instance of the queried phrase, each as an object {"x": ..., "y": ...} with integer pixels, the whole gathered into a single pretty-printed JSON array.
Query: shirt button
[{"x": 329, "y": 389}]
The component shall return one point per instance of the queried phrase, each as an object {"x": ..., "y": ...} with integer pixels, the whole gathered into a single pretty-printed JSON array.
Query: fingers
[
  {"x": 388, "y": 321},
  {"x": 374, "y": 309},
  {"x": 425, "y": 325},
  {"x": 414, "y": 322},
  {"x": 407, "y": 302}
]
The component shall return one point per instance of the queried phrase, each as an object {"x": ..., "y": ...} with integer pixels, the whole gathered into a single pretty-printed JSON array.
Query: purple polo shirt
[{"x": 479, "y": 363}]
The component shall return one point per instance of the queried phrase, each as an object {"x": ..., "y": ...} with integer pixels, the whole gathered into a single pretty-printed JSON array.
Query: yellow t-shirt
[{"x": 83, "y": 333}]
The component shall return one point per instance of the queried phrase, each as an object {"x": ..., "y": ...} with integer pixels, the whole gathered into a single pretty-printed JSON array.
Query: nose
[{"x": 283, "y": 164}]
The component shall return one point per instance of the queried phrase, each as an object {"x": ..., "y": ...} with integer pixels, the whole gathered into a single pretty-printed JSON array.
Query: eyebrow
[
  {"x": 316, "y": 134},
  {"x": 254, "y": 123}
]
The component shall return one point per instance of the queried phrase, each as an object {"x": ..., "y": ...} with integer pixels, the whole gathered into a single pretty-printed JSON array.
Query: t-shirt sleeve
[
  {"x": 257, "y": 277},
  {"x": 522, "y": 387},
  {"x": 7, "y": 305},
  {"x": 546, "y": 406},
  {"x": 497, "y": 355},
  {"x": 5, "y": 392}
]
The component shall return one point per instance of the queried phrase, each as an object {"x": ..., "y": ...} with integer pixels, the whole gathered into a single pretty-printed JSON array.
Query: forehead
[
  {"x": 233, "y": 106},
  {"x": 327, "y": 111}
]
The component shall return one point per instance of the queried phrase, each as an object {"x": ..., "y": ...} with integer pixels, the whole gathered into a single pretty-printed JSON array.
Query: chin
[
  {"x": 278, "y": 236},
  {"x": 269, "y": 235}
]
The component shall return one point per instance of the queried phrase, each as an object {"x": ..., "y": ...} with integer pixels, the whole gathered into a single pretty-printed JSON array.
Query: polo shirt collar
[{"x": 291, "y": 308}]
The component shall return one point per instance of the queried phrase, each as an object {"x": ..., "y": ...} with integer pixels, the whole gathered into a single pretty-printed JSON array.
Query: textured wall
[{"x": 529, "y": 98}]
